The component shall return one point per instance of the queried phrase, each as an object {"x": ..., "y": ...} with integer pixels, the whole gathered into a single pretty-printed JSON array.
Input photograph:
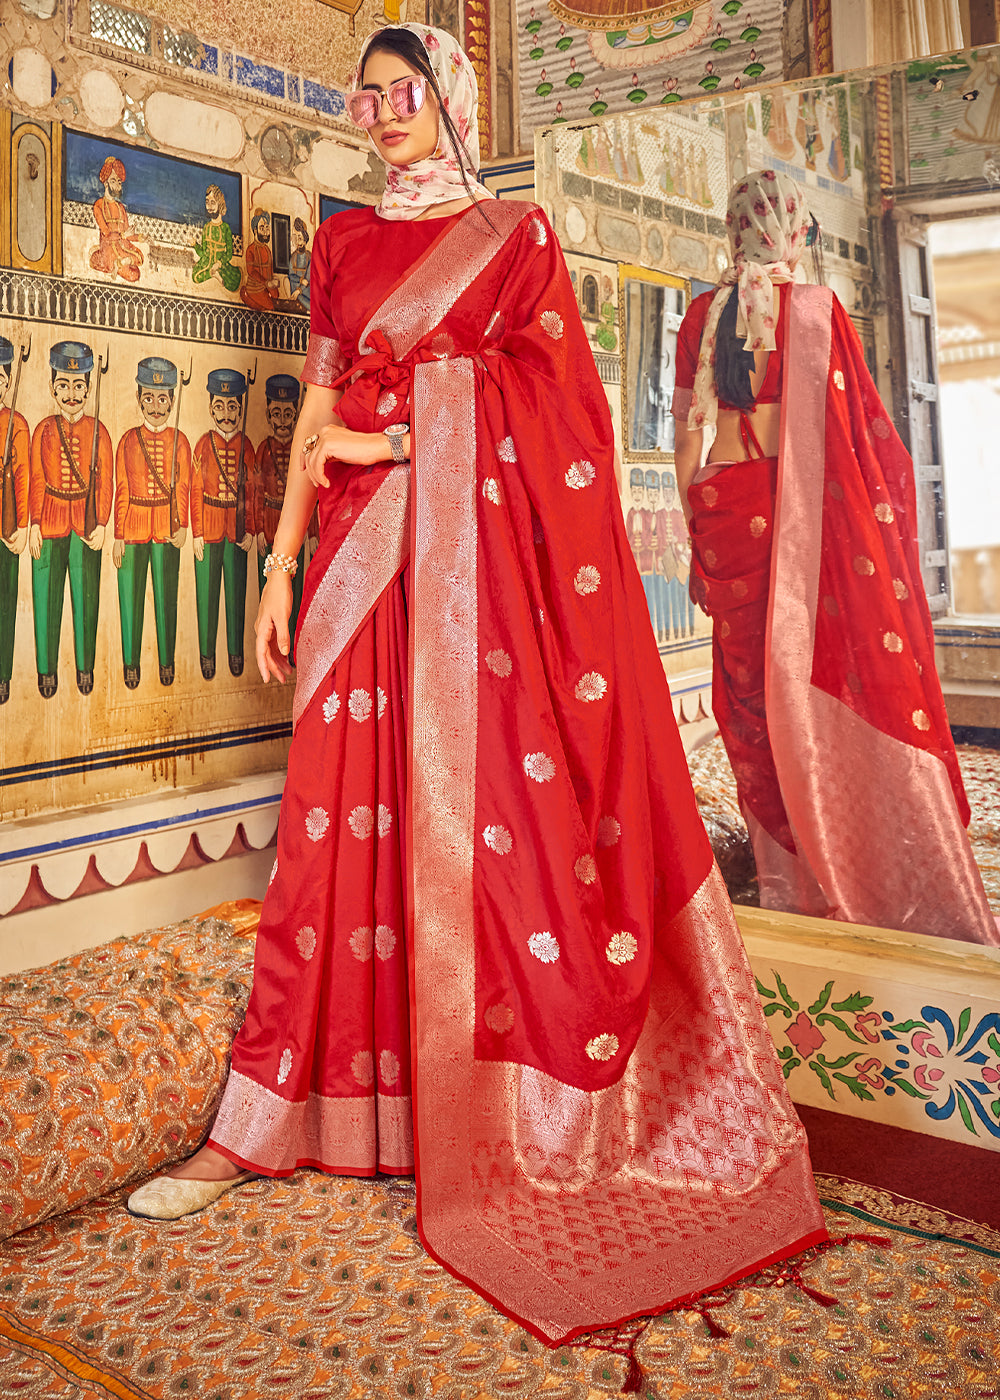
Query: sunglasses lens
[
  {"x": 406, "y": 97},
  {"x": 362, "y": 108}
]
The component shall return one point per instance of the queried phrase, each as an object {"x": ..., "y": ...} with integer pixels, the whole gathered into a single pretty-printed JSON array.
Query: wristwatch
[{"x": 395, "y": 433}]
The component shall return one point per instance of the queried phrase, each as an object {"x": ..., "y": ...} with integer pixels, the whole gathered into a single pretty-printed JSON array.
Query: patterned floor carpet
[
  {"x": 715, "y": 789},
  {"x": 318, "y": 1288}
]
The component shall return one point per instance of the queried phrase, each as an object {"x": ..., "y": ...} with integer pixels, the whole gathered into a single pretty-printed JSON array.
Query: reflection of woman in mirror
[
  {"x": 803, "y": 523},
  {"x": 495, "y": 933}
]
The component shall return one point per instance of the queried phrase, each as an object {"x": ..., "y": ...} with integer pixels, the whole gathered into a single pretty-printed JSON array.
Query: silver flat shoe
[{"x": 170, "y": 1197}]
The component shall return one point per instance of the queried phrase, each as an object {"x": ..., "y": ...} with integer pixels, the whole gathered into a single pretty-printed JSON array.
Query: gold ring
[{"x": 310, "y": 442}]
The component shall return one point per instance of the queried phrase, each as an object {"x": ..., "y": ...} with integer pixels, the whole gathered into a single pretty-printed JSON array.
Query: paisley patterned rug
[{"x": 317, "y": 1288}]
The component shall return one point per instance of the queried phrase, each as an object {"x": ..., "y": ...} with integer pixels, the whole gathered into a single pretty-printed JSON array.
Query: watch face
[{"x": 397, "y": 428}]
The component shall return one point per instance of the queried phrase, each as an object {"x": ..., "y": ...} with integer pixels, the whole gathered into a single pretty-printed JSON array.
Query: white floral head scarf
[
  {"x": 768, "y": 220},
  {"x": 411, "y": 189}
]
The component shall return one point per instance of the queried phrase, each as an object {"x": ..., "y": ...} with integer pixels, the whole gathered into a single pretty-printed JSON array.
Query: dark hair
[
  {"x": 733, "y": 364},
  {"x": 405, "y": 45},
  {"x": 300, "y": 227}
]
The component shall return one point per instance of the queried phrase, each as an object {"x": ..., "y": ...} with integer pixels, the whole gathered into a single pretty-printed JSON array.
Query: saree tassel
[
  {"x": 633, "y": 1376},
  {"x": 620, "y": 1341},
  {"x": 792, "y": 1273},
  {"x": 824, "y": 1299},
  {"x": 715, "y": 1329}
]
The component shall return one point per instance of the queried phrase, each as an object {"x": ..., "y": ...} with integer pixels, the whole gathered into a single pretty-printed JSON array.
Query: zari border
[
  {"x": 325, "y": 361},
  {"x": 785, "y": 880},
  {"x": 371, "y": 555},
  {"x": 497, "y": 1233},
  {"x": 913, "y": 793},
  {"x": 337, "y": 1133},
  {"x": 879, "y": 1206},
  {"x": 480, "y": 1233},
  {"x": 430, "y": 288},
  {"x": 444, "y": 711},
  {"x": 67, "y": 1361}
]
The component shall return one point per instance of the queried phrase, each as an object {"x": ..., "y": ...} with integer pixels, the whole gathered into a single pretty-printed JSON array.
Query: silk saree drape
[
  {"x": 600, "y": 1124},
  {"x": 825, "y": 683}
]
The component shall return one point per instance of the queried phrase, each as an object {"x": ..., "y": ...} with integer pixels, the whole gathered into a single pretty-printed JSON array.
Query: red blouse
[
  {"x": 342, "y": 302},
  {"x": 689, "y": 343}
]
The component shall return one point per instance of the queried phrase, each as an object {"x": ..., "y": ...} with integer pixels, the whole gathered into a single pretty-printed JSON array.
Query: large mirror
[
  {"x": 652, "y": 306},
  {"x": 902, "y": 170}
]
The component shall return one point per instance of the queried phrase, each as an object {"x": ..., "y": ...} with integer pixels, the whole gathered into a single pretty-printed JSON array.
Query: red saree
[
  {"x": 825, "y": 686},
  {"x": 601, "y": 1127}
]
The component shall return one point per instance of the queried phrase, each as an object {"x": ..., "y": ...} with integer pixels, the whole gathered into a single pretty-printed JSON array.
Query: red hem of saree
[
  {"x": 310, "y": 1162},
  {"x": 675, "y": 1304}
]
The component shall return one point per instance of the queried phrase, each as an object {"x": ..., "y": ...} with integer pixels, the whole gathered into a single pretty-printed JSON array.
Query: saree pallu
[
  {"x": 601, "y": 1127},
  {"x": 829, "y": 700}
]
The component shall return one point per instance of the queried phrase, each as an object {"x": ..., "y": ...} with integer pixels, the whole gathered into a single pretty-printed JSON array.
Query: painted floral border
[{"x": 950, "y": 1067}]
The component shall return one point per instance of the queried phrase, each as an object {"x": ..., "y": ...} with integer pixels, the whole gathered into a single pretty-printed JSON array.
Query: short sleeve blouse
[
  {"x": 689, "y": 344},
  {"x": 325, "y": 358}
]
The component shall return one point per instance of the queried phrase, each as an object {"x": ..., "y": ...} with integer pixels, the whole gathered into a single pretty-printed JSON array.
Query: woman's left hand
[{"x": 340, "y": 444}]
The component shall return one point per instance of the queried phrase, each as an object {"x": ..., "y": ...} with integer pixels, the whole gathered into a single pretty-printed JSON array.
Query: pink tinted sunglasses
[{"x": 405, "y": 96}]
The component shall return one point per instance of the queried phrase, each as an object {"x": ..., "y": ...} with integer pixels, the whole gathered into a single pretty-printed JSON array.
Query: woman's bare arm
[
  {"x": 271, "y": 625},
  {"x": 689, "y": 444},
  {"x": 307, "y": 472},
  {"x": 318, "y": 409}
]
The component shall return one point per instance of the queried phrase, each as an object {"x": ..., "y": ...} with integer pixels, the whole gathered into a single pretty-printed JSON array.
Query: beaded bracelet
[{"x": 284, "y": 562}]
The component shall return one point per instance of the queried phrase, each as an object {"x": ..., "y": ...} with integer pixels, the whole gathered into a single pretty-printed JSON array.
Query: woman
[
  {"x": 803, "y": 525},
  {"x": 495, "y": 949}
]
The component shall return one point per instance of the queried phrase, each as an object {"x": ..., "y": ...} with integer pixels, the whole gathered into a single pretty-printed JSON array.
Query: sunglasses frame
[{"x": 385, "y": 94}]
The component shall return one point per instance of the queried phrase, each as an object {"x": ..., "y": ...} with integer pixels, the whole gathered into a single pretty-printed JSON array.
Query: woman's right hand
[
  {"x": 341, "y": 444},
  {"x": 271, "y": 628}
]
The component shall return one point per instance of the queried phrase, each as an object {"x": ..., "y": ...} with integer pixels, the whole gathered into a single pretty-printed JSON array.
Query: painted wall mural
[
  {"x": 202, "y": 152},
  {"x": 257, "y": 47},
  {"x": 671, "y": 154},
  {"x": 142, "y": 478},
  {"x": 148, "y": 397},
  {"x": 138, "y": 217},
  {"x": 946, "y": 149},
  {"x": 141, "y": 217},
  {"x": 862, "y": 1046},
  {"x": 576, "y": 59}
]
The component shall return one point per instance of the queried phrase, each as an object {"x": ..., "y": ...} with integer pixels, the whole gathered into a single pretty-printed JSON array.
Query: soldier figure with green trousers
[
  {"x": 152, "y": 481},
  {"x": 62, "y": 458},
  {"x": 14, "y": 532},
  {"x": 222, "y": 475},
  {"x": 273, "y": 456}
]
